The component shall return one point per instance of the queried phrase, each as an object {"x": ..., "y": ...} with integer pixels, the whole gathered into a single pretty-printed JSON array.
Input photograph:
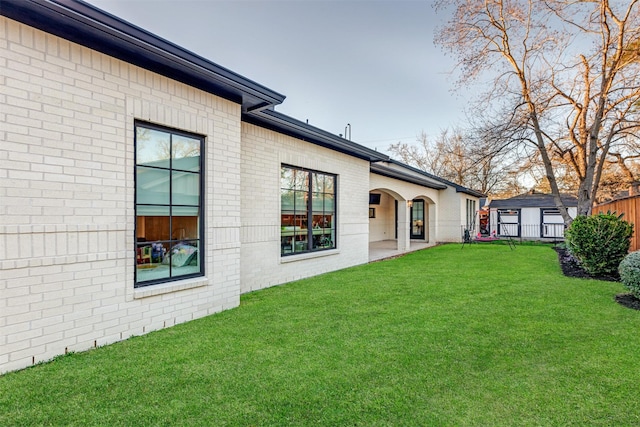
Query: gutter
[
  {"x": 282, "y": 123},
  {"x": 391, "y": 173}
]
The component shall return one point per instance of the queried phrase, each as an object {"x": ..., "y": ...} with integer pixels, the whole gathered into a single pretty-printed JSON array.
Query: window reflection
[
  {"x": 168, "y": 205},
  {"x": 307, "y": 212}
]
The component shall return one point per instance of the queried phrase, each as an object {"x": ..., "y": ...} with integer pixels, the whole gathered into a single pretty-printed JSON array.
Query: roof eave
[
  {"x": 390, "y": 173},
  {"x": 284, "y": 124},
  {"x": 470, "y": 192}
]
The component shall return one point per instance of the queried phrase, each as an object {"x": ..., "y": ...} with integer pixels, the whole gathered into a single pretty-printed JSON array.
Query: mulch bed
[{"x": 571, "y": 268}]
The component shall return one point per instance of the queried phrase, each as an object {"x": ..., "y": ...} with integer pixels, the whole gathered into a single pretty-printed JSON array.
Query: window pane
[
  {"x": 287, "y": 221},
  {"x": 286, "y": 200},
  {"x": 152, "y": 147},
  {"x": 302, "y": 180},
  {"x": 152, "y": 228},
  {"x": 329, "y": 205},
  {"x": 300, "y": 201},
  {"x": 318, "y": 202},
  {"x": 318, "y": 182},
  {"x": 287, "y": 230},
  {"x": 149, "y": 261},
  {"x": 152, "y": 186},
  {"x": 184, "y": 258},
  {"x": 185, "y": 227},
  {"x": 300, "y": 223},
  {"x": 185, "y": 211},
  {"x": 191, "y": 164},
  {"x": 287, "y": 178},
  {"x": 153, "y": 210},
  {"x": 329, "y": 184},
  {"x": 322, "y": 240},
  {"x": 301, "y": 244},
  {"x": 185, "y": 188},
  {"x": 184, "y": 147}
]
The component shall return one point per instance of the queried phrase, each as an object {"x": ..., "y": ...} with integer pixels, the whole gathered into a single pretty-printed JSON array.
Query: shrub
[
  {"x": 630, "y": 273},
  {"x": 599, "y": 242}
]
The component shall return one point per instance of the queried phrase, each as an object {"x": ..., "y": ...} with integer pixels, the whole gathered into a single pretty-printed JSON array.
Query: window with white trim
[
  {"x": 308, "y": 210},
  {"x": 168, "y": 203},
  {"x": 471, "y": 214}
]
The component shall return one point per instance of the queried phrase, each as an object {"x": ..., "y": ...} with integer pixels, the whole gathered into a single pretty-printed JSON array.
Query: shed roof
[{"x": 535, "y": 200}]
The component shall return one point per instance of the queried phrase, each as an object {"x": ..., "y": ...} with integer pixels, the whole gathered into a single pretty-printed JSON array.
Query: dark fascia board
[
  {"x": 459, "y": 188},
  {"x": 392, "y": 173},
  {"x": 84, "y": 24},
  {"x": 281, "y": 123}
]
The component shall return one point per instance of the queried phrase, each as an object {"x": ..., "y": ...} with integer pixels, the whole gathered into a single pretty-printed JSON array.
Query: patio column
[{"x": 404, "y": 241}]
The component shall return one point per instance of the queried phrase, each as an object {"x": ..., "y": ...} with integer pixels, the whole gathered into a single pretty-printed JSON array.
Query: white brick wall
[
  {"x": 263, "y": 152},
  {"x": 67, "y": 198}
]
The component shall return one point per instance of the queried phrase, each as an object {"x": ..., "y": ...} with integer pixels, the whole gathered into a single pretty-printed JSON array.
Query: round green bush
[
  {"x": 599, "y": 242},
  {"x": 630, "y": 273}
]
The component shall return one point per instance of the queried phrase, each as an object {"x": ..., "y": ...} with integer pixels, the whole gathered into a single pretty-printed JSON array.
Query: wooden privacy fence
[{"x": 630, "y": 207}]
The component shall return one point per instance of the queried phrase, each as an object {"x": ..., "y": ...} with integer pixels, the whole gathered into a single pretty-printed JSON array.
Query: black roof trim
[
  {"x": 392, "y": 173},
  {"x": 459, "y": 188},
  {"x": 82, "y": 23},
  {"x": 278, "y": 122}
]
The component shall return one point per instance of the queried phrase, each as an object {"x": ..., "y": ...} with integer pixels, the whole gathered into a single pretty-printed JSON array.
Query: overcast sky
[{"x": 371, "y": 64}]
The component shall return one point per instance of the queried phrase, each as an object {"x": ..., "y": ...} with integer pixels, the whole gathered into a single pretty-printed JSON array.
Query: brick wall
[
  {"x": 263, "y": 152},
  {"x": 67, "y": 198}
]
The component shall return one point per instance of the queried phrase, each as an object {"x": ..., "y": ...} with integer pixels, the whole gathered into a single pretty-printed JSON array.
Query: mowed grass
[{"x": 481, "y": 336}]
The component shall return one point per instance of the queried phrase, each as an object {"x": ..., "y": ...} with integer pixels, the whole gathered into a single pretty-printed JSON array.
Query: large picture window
[
  {"x": 308, "y": 210},
  {"x": 168, "y": 204}
]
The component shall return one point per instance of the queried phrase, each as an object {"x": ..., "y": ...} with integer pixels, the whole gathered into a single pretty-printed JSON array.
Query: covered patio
[{"x": 384, "y": 249}]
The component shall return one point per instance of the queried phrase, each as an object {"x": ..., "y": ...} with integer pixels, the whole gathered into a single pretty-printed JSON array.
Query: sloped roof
[
  {"x": 394, "y": 173},
  {"x": 535, "y": 200},
  {"x": 284, "y": 124}
]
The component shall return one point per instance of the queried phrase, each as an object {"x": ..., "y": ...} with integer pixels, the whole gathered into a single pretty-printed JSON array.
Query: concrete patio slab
[{"x": 384, "y": 249}]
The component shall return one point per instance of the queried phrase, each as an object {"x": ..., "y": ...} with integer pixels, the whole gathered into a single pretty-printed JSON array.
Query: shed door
[
  {"x": 552, "y": 223},
  {"x": 509, "y": 222}
]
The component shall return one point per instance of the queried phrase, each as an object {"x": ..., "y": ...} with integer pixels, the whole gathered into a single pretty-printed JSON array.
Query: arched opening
[{"x": 383, "y": 215}]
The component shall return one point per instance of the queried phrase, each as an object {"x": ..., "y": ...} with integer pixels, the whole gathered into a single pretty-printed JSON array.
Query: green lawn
[{"x": 480, "y": 336}]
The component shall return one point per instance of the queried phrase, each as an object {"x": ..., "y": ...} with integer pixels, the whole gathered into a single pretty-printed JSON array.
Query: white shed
[{"x": 530, "y": 216}]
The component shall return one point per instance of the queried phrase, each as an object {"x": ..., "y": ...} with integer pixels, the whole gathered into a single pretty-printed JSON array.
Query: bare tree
[
  {"x": 465, "y": 158},
  {"x": 617, "y": 178},
  {"x": 568, "y": 69},
  {"x": 424, "y": 154}
]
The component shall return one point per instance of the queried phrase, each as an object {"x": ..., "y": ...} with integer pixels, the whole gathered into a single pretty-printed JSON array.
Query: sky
[{"x": 370, "y": 64}]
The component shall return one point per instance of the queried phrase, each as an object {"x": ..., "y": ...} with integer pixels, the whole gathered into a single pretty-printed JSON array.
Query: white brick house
[{"x": 143, "y": 186}]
